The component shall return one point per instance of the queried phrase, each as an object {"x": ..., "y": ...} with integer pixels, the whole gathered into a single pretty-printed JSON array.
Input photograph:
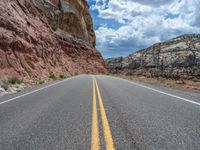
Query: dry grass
[{"x": 186, "y": 84}]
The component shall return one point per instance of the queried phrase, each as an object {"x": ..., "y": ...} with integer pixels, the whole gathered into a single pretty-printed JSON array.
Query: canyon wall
[
  {"x": 38, "y": 37},
  {"x": 175, "y": 58}
]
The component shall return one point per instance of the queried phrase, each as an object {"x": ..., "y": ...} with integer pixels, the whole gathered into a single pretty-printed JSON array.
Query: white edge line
[
  {"x": 34, "y": 91},
  {"x": 161, "y": 92}
]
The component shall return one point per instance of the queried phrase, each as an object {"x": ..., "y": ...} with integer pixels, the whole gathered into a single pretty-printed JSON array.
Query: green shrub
[
  {"x": 162, "y": 80},
  {"x": 52, "y": 76},
  {"x": 130, "y": 77},
  {"x": 62, "y": 76},
  {"x": 76, "y": 74},
  {"x": 107, "y": 73},
  {"x": 129, "y": 74},
  {"x": 5, "y": 86},
  {"x": 41, "y": 82},
  {"x": 54, "y": 28},
  {"x": 195, "y": 80},
  {"x": 14, "y": 80}
]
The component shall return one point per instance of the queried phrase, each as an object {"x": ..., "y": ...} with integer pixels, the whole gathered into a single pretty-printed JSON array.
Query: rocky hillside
[
  {"x": 176, "y": 58},
  {"x": 42, "y": 36}
]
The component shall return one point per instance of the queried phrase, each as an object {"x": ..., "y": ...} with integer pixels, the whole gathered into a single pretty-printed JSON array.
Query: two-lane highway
[{"x": 100, "y": 112}]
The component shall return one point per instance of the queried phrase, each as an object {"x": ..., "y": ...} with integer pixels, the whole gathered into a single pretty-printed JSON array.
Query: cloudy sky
[{"x": 124, "y": 26}]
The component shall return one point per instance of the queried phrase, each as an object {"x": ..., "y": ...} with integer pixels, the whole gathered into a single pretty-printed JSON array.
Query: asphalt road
[{"x": 101, "y": 112}]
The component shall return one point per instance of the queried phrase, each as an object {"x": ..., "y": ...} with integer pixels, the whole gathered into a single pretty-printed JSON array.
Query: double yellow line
[{"x": 95, "y": 144}]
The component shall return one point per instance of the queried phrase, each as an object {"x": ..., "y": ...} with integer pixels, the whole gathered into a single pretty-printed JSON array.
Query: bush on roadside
[
  {"x": 41, "y": 82},
  {"x": 196, "y": 80},
  {"x": 162, "y": 80},
  {"x": 14, "y": 80},
  {"x": 129, "y": 74},
  {"x": 5, "y": 86},
  {"x": 52, "y": 76},
  {"x": 130, "y": 77},
  {"x": 62, "y": 76}
]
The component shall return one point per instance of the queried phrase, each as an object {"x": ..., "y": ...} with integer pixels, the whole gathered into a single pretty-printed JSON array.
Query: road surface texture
[{"x": 100, "y": 112}]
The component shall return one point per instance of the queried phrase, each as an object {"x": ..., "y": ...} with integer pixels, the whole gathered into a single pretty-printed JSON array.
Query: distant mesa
[{"x": 175, "y": 58}]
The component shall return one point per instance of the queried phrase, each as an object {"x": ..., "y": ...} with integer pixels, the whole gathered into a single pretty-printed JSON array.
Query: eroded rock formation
[
  {"x": 42, "y": 36},
  {"x": 70, "y": 16},
  {"x": 176, "y": 58}
]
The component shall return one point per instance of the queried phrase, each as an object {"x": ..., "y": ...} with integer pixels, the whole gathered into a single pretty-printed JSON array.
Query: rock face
[
  {"x": 70, "y": 16},
  {"x": 176, "y": 58},
  {"x": 42, "y": 36}
]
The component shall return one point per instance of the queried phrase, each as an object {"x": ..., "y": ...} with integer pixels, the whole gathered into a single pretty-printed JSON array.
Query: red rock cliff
[{"x": 40, "y": 36}]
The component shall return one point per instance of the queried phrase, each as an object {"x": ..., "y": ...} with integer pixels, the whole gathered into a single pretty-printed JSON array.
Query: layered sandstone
[
  {"x": 176, "y": 58},
  {"x": 70, "y": 16},
  {"x": 40, "y": 36}
]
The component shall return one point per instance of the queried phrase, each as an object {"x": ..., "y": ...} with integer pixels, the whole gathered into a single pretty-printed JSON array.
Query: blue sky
[{"x": 125, "y": 26}]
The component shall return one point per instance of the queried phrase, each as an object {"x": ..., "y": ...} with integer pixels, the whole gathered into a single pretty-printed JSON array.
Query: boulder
[{"x": 2, "y": 90}]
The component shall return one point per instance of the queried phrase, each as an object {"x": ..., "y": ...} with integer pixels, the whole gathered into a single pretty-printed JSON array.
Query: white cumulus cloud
[{"x": 144, "y": 22}]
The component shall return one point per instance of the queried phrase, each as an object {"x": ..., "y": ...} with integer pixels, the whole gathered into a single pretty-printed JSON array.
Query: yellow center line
[
  {"x": 95, "y": 129},
  {"x": 106, "y": 128}
]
